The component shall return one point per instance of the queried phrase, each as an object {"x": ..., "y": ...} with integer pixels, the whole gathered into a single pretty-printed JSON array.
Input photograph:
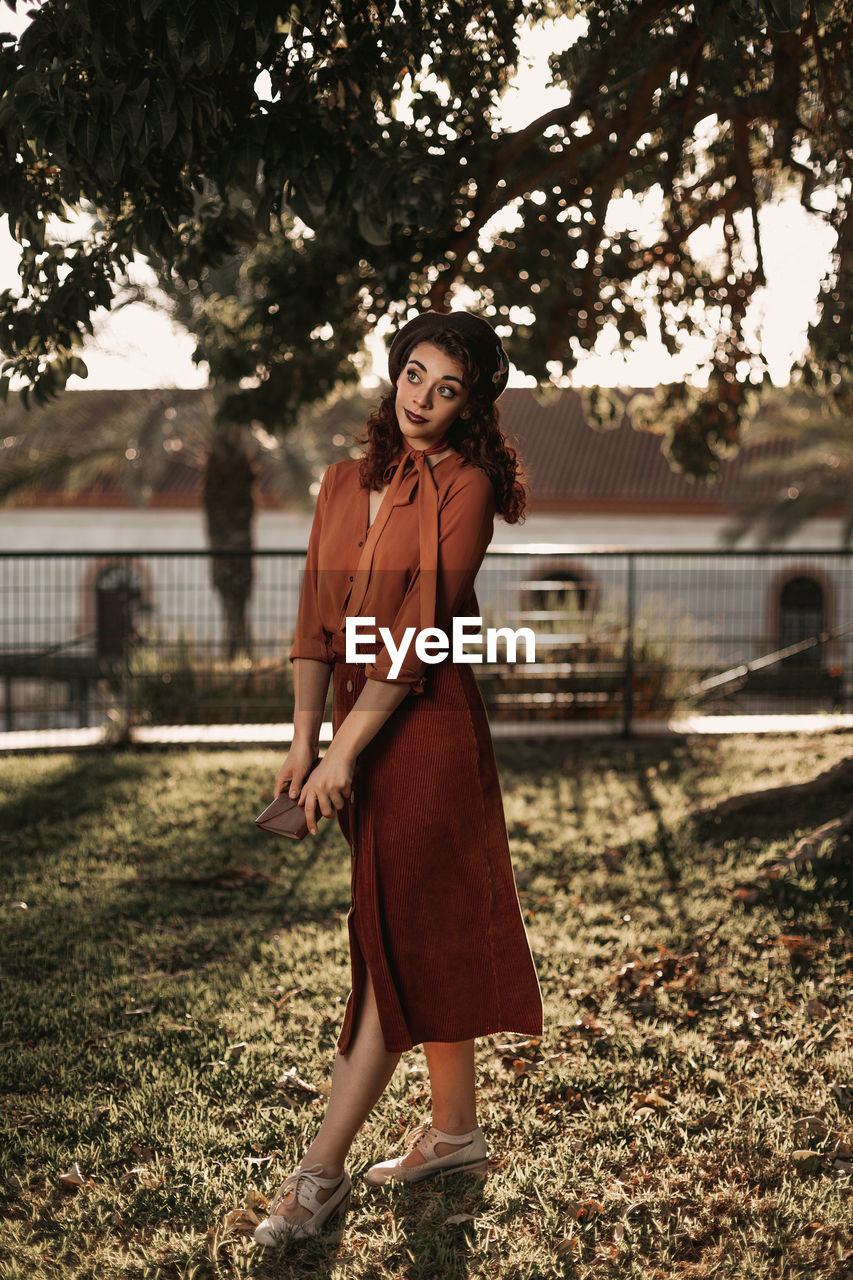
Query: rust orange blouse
[{"x": 413, "y": 567}]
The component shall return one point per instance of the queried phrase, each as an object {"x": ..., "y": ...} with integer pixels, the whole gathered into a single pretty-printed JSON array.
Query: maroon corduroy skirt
[{"x": 435, "y": 917}]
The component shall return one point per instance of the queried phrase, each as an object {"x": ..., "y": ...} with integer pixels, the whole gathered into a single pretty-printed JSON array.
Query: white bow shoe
[
  {"x": 304, "y": 1185},
  {"x": 468, "y": 1156}
]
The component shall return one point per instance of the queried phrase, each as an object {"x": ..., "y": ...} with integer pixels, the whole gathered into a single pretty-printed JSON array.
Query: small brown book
[{"x": 285, "y": 817}]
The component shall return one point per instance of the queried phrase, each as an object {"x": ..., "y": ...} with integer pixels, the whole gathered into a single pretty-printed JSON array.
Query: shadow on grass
[
  {"x": 147, "y": 1013},
  {"x": 433, "y": 1226},
  {"x": 103, "y": 816},
  {"x": 823, "y": 884},
  {"x": 97, "y": 852},
  {"x": 69, "y": 795},
  {"x": 634, "y": 765},
  {"x": 426, "y": 1234}
]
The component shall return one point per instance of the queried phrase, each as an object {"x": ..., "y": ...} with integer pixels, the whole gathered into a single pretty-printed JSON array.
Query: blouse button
[
  {"x": 350, "y": 577},
  {"x": 349, "y": 686},
  {"x": 361, "y": 542}
]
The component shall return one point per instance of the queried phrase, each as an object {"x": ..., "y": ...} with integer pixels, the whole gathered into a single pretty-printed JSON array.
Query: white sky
[{"x": 140, "y": 347}]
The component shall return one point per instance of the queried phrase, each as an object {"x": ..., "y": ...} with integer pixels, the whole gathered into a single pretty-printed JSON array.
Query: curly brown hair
[{"x": 478, "y": 437}]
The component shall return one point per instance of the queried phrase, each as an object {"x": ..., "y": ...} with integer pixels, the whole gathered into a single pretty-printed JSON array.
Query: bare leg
[
  {"x": 454, "y": 1104},
  {"x": 358, "y": 1079}
]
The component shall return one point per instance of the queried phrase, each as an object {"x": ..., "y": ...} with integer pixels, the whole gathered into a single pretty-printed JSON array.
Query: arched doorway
[
  {"x": 118, "y": 593},
  {"x": 801, "y": 614}
]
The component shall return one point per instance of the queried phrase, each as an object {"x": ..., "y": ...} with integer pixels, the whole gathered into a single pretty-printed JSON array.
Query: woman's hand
[
  {"x": 329, "y": 786},
  {"x": 294, "y": 770}
]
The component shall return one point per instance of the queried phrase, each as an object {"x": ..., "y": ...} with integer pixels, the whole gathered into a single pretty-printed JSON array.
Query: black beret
[{"x": 476, "y": 334}]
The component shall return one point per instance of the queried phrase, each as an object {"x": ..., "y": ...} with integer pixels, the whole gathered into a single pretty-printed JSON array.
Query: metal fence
[{"x": 143, "y": 637}]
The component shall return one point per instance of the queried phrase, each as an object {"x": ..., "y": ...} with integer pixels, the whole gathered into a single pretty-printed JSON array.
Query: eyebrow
[{"x": 448, "y": 377}]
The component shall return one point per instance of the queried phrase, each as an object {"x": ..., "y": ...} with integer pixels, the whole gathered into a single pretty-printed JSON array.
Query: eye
[
  {"x": 450, "y": 392},
  {"x": 412, "y": 375}
]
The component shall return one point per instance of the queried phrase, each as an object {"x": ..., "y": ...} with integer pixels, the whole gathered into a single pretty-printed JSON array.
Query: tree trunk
[
  {"x": 229, "y": 508},
  {"x": 776, "y": 797}
]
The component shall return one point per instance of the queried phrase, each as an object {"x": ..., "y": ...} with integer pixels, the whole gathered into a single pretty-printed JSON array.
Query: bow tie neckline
[{"x": 406, "y": 484}]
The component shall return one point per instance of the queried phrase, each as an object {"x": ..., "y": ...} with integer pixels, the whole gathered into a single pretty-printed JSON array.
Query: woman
[{"x": 438, "y": 950}]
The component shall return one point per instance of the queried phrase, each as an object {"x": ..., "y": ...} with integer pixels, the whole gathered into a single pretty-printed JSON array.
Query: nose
[{"x": 422, "y": 396}]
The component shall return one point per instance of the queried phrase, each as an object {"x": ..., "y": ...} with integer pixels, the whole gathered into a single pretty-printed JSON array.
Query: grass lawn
[{"x": 173, "y": 964}]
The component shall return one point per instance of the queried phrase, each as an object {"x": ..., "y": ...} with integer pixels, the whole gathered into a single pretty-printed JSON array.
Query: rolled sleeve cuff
[
  {"x": 417, "y": 683},
  {"x": 317, "y": 650}
]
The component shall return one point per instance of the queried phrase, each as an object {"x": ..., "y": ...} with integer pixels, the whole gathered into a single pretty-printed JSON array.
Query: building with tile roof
[
  {"x": 598, "y": 500},
  {"x": 585, "y": 485}
]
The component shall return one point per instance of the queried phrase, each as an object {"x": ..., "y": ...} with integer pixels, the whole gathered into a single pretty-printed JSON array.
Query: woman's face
[{"x": 431, "y": 395}]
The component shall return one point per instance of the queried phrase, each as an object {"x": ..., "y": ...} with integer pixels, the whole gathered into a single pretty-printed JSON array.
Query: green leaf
[
  {"x": 166, "y": 87},
  {"x": 91, "y": 138},
  {"x": 186, "y": 144},
  {"x": 164, "y": 123},
  {"x": 203, "y": 58},
  {"x": 135, "y": 118},
  {"x": 745, "y": 10},
  {"x": 185, "y": 106},
  {"x": 784, "y": 15},
  {"x": 372, "y": 231}
]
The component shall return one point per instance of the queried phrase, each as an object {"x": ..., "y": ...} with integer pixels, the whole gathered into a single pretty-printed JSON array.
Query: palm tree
[
  {"x": 127, "y": 442},
  {"x": 808, "y": 473}
]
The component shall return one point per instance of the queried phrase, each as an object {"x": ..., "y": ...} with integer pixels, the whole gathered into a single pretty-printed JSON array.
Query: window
[{"x": 557, "y": 588}]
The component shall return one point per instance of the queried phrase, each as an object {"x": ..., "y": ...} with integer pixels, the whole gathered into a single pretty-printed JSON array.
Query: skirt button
[{"x": 349, "y": 686}]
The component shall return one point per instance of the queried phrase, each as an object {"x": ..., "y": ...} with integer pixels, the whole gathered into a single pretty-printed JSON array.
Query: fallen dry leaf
[
  {"x": 589, "y": 1022},
  {"x": 806, "y": 1126},
  {"x": 708, "y": 1120},
  {"x": 584, "y": 1209},
  {"x": 458, "y": 1217},
  {"x": 798, "y": 947},
  {"x": 843, "y": 1092},
  {"x": 290, "y": 1080},
  {"x": 652, "y": 1099},
  {"x": 75, "y": 1177},
  {"x": 806, "y": 1161},
  {"x": 255, "y": 1199},
  {"x": 240, "y": 1222},
  {"x": 816, "y": 1010}
]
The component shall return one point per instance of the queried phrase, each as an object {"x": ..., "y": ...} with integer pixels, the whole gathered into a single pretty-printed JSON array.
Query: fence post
[{"x": 628, "y": 691}]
